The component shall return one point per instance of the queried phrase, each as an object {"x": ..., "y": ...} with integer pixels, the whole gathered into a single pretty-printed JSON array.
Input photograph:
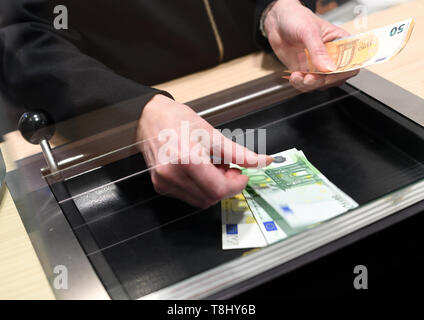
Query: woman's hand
[
  {"x": 290, "y": 28},
  {"x": 180, "y": 160}
]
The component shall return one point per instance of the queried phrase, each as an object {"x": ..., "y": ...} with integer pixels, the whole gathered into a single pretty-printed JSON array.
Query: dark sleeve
[
  {"x": 260, "y": 6},
  {"x": 41, "y": 69}
]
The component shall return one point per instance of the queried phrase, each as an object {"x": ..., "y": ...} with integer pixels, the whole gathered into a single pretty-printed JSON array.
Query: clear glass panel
[
  {"x": 89, "y": 85},
  {"x": 334, "y": 128}
]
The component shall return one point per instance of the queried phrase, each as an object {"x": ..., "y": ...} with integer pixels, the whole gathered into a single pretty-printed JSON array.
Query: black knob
[{"x": 36, "y": 126}]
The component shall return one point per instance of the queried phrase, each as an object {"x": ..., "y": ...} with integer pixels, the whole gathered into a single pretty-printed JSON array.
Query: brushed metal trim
[
  {"x": 48, "y": 155},
  {"x": 397, "y": 98},
  {"x": 237, "y": 101},
  {"x": 54, "y": 241}
]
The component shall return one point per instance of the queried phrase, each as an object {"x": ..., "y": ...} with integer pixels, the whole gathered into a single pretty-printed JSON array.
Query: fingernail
[
  {"x": 263, "y": 160},
  {"x": 252, "y": 159}
]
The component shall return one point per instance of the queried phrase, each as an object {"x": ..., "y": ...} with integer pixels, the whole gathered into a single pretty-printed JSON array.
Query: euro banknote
[
  {"x": 366, "y": 49},
  {"x": 285, "y": 198},
  {"x": 239, "y": 227},
  {"x": 273, "y": 226},
  {"x": 300, "y": 196}
]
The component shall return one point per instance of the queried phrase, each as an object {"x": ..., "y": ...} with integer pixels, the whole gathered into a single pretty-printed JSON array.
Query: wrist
[
  {"x": 157, "y": 101},
  {"x": 264, "y": 17}
]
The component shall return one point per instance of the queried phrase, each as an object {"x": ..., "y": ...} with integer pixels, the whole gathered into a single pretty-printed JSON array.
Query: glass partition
[
  {"x": 136, "y": 228},
  {"x": 148, "y": 128}
]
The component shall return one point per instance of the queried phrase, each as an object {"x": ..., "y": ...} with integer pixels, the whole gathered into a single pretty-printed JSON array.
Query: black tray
[{"x": 140, "y": 242}]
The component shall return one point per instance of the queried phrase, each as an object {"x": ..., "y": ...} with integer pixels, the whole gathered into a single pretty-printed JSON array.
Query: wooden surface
[
  {"x": 405, "y": 70},
  {"x": 21, "y": 275}
]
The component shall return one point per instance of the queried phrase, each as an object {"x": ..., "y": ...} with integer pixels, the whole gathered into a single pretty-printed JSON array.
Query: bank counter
[{"x": 100, "y": 218}]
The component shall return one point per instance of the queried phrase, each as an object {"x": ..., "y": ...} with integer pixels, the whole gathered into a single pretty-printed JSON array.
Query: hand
[
  {"x": 181, "y": 175},
  {"x": 291, "y": 28}
]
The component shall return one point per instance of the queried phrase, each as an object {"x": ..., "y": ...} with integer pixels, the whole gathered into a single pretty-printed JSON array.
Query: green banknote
[
  {"x": 248, "y": 222},
  {"x": 294, "y": 194},
  {"x": 272, "y": 225},
  {"x": 288, "y": 196}
]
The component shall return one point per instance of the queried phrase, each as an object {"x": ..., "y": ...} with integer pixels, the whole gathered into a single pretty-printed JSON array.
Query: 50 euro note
[
  {"x": 368, "y": 48},
  {"x": 297, "y": 193}
]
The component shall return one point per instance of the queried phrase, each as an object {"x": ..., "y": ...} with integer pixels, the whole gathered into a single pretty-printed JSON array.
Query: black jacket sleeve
[
  {"x": 259, "y": 9},
  {"x": 41, "y": 69}
]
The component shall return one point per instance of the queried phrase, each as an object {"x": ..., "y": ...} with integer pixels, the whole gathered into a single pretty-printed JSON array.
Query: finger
[
  {"x": 223, "y": 167},
  {"x": 297, "y": 81},
  {"x": 169, "y": 177},
  {"x": 314, "y": 81},
  {"x": 318, "y": 52},
  {"x": 234, "y": 173},
  {"x": 195, "y": 189},
  {"x": 232, "y": 152},
  {"x": 188, "y": 192},
  {"x": 238, "y": 178},
  {"x": 335, "y": 33},
  {"x": 212, "y": 182}
]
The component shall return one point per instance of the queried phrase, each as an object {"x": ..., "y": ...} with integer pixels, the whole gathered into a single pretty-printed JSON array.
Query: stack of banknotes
[
  {"x": 285, "y": 198},
  {"x": 367, "y": 48}
]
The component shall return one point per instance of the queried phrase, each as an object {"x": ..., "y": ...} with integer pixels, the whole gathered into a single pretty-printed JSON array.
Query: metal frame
[
  {"x": 211, "y": 282},
  {"x": 393, "y": 96},
  {"x": 54, "y": 241},
  {"x": 56, "y": 244}
]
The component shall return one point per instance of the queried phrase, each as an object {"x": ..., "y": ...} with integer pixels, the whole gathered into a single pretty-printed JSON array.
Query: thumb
[
  {"x": 318, "y": 52},
  {"x": 237, "y": 154}
]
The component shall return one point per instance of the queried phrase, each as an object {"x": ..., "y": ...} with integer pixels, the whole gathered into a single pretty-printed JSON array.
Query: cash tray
[{"x": 144, "y": 245}]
